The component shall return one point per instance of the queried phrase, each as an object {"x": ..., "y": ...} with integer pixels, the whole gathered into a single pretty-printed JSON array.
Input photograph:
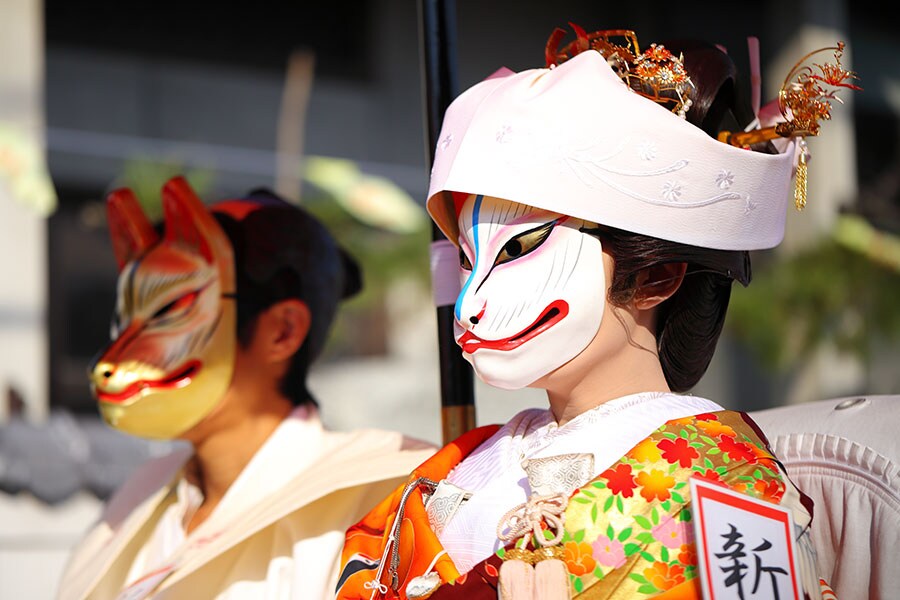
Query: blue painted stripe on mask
[{"x": 475, "y": 213}]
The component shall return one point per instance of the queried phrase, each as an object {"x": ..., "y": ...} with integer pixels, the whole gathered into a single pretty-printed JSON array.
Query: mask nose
[
  {"x": 472, "y": 314},
  {"x": 101, "y": 373}
]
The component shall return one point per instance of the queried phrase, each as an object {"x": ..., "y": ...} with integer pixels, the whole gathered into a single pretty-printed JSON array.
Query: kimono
[
  {"x": 276, "y": 534},
  {"x": 627, "y": 530}
]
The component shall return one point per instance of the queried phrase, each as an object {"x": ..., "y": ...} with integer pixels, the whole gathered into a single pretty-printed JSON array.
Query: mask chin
[
  {"x": 500, "y": 381},
  {"x": 525, "y": 366},
  {"x": 166, "y": 415}
]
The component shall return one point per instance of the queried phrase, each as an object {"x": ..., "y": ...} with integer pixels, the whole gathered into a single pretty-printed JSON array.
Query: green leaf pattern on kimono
[{"x": 631, "y": 526}]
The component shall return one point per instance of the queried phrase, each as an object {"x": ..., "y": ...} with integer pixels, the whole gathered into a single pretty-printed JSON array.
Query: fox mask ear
[
  {"x": 190, "y": 223},
  {"x": 131, "y": 232}
]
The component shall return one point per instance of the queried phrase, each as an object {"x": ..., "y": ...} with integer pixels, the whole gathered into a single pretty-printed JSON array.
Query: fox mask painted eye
[
  {"x": 524, "y": 243},
  {"x": 175, "y": 309},
  {"x": 178, "y": 307},
  {"x": 516, "y": 247},
  {"x": 464, "y": 260}
]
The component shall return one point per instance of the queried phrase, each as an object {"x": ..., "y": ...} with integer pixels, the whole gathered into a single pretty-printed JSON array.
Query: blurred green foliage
[
  {"x": 383, "y": 255},
  {"x": 362, "y": 326},
  {"x": 146, "y": 178},
  {"x": 828, "y": 292}
]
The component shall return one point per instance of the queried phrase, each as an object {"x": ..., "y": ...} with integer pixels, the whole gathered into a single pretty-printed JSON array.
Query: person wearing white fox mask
[{"x": 600, "y": 223}]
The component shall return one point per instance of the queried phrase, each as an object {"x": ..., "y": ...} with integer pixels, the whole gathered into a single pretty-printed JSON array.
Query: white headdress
[{"x": 576, "y": 139}]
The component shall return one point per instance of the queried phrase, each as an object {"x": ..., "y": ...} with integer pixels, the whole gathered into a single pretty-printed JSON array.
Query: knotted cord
[{"x": 527, "y": 517}]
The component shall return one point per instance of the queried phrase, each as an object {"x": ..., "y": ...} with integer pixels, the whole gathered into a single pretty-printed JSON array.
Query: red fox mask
[{"x": 171, "y": 355}]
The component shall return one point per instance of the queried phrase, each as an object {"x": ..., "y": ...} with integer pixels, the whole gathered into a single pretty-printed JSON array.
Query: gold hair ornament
[
  {"x": 804, "y": 100},
  {"x": 656, "y": 74}
]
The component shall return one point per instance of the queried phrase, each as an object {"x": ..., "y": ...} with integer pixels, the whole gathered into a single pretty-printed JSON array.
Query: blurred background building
[{"x": 323, "y": 103}]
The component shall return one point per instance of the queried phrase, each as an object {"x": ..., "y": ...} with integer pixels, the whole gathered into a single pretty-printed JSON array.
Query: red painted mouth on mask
[
  {"x": 179, "y": 378},
  {"x": 554, "y": 313}
]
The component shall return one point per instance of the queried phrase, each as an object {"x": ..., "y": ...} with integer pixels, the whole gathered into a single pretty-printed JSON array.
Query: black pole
[{"x": 437, "y": 37}]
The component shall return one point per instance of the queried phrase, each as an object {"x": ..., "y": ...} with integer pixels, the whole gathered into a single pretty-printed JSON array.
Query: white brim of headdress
[{"x": 576, "y": 140}]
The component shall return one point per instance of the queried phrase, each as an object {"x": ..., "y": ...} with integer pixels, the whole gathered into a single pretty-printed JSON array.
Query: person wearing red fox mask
[{"x": 218, "y": 318}]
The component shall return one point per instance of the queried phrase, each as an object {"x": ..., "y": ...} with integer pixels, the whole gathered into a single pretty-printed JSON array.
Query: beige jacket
[
  {"x": 282, "y": 545},
  {"x": 845, "y": 454}
]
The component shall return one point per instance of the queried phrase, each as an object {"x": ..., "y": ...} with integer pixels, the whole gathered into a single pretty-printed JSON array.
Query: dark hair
[
  {"x": 688, "y": 324},
  {"x": 282, "y": 252}
]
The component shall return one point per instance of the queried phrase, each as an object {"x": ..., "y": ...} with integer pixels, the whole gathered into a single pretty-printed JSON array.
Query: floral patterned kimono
[{"x": 627, "y": 530}]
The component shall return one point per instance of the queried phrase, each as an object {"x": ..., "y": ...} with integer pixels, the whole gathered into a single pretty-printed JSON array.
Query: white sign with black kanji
[{"x": 745, "y": 546}]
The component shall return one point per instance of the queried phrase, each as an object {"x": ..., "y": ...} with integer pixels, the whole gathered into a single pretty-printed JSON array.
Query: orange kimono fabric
[{"x": 627, "y": 532}]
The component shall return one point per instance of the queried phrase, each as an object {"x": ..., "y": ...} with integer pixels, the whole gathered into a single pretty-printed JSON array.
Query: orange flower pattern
[
  {"x": 655, "y": 484},
  {"x": 771, "y": 489},
  {"x": 664, "y": 576},
  {"x": 714, "y": 428},
  {"x": 646, "y": 452},
  {"x": 645, "y": 497},
  {"x": 687, "y": 555},
  {"x": 579, "y": 559}
]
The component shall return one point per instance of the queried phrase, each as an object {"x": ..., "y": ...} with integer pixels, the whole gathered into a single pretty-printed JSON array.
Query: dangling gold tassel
[{"x": 800, "y": 189}]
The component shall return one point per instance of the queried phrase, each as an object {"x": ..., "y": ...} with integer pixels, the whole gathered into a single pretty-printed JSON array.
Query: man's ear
[
  {"x": 288, "y": 323},
  {"x": 657, "y": 284}
]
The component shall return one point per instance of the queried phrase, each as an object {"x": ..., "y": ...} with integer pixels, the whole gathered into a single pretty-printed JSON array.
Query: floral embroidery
[
  {"x": 771, "y": 490},
  {"x": 761, "y": 454},
  {"x": 672, "y": 533},
  {"x": 725, "y": 179},
  {"x": 672, "y": 191},
  {"x": 678, "y": 451},
  {"x": 645, "y": 452},
  {"x": 655, "y": 484},
  {"x": 620, "y": 480},
  {"x": 609, "y": 552},
  {"x": 687, "y": 554},
  {"x": 445, "y": 143},
  {"x": 714, "y": 428},
  {"x": 578, "y": 557},
  {"x": 596, "y": 164},
  {"x": 502, "y": 134},
  {"x": 709, "y": 475},
  {"x": 737, "y": 450},
  {"x": 706, "y": 417},
  {"x": 609, "y": 527},
  {"x": 664, "y": 576},
  {"x": 647, "y": 150}
]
